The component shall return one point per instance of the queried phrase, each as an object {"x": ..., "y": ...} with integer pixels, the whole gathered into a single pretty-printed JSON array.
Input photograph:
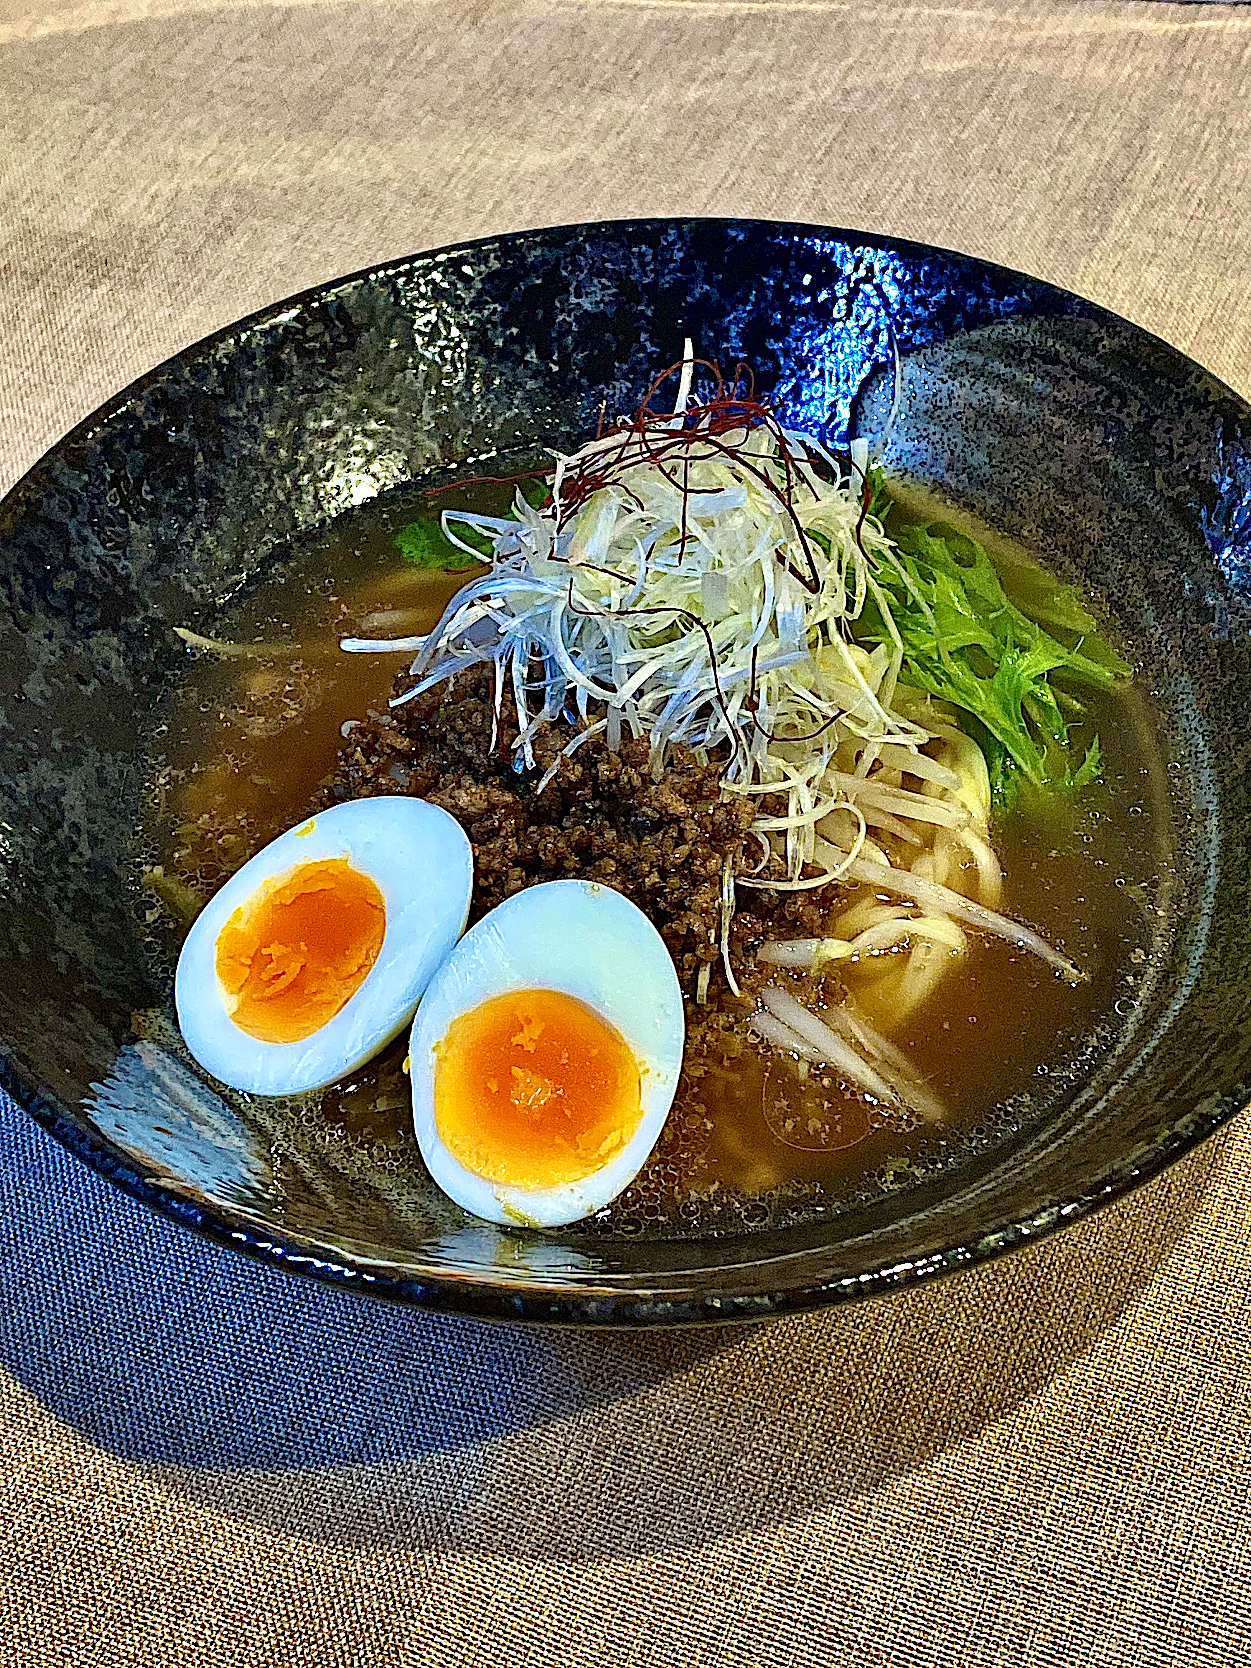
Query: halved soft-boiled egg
[
  {"x": 545, "y": 1055},
  {"x": 315, "y": 954}
]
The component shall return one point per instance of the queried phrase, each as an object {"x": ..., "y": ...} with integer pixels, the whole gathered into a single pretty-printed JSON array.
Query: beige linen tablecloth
[{"x": 1045, "y": 1462}]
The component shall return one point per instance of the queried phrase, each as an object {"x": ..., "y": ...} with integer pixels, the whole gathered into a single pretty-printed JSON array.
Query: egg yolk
[
  {"x": 300, "y": 947},
  {"x": 534, "y": 1089}
]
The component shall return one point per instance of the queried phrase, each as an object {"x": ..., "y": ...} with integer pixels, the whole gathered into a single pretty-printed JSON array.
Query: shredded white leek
[
  {"x": 710, "y": 606},
  {"x": 707, "y": 598}
]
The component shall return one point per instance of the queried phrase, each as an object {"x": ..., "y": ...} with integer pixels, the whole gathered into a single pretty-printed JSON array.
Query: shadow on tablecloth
[{"x": 332, "y": 1417}]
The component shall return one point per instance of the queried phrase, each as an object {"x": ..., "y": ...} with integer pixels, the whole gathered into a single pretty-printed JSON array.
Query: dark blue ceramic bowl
[{"x": 1047, "y": 417}]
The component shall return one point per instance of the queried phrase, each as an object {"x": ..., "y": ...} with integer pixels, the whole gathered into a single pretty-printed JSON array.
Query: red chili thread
[
  {"x": 541, "y": 473},
  {"x": 751, "y": 705},
  {"x": 696, "y": 434}
]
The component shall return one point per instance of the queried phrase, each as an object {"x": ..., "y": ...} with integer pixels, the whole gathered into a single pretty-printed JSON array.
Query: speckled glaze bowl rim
[{"x": 605, "y": 1305}]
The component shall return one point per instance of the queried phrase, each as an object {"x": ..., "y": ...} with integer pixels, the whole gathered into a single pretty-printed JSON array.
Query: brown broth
[{"x": 246, "y": 742}]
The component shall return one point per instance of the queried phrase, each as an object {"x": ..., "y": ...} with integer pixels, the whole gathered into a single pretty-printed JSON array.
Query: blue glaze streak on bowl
[
  {"x": 1049, "y": 418},
  {"x": 818, "y": 315},
  {"x": 1226, "y": 522}
]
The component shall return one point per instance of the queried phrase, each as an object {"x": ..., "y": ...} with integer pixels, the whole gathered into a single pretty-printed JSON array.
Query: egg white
[
  {"x": 420, "y": 860},
  {"x": 592, "y": 943}
]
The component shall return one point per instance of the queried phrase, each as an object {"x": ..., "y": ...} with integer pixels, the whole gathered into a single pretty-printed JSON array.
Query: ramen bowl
[{"x": 1063, "y": 426}]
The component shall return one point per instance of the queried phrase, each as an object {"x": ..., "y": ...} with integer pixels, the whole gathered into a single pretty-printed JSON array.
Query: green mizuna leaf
[
  {"x": 535, "y": 491},
  {"x": 423, "y": 545},
  {"x": 1013, "y": 674}
]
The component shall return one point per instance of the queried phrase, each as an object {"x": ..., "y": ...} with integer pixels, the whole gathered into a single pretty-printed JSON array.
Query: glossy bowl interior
[{"x": 1051, "y": 420}]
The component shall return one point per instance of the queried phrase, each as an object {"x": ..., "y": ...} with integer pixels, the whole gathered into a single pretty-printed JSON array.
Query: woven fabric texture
[{"x": 201, "y": 1461}]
